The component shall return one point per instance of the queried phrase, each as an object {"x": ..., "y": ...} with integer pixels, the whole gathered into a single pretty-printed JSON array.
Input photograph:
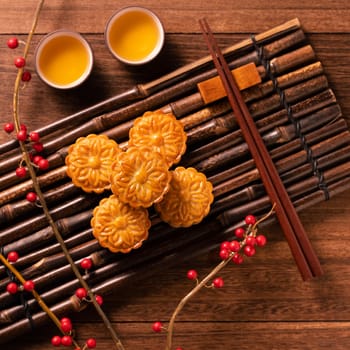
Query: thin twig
[
  {"x": 251, "y": 230},
  {"x": 40, "y": 195},
  {"x": 36, "y": 295},
  {"x": 188, "y": 296}
]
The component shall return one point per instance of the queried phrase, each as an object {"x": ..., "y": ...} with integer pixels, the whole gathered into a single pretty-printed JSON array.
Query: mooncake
[
  {"x": 140, "y": 176},
  {"x": 161, "y": 131},
  {"x": 188, "y": 200},
  {"x": 118, "y": 226},
  {"x": 89, "y": 162}
]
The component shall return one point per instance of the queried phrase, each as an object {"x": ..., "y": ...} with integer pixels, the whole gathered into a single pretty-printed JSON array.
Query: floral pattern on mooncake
[
  {"x": 163, "y": 132},
  {"x": 119, "y": 227},
  {"x": 89, "y": 162},
  {"x": 188, "y": 199},
  {"x": 140, "y": 177}
]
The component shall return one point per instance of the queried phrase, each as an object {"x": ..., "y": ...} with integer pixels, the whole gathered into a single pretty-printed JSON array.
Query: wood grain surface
[{"x": 265, "y": 304}]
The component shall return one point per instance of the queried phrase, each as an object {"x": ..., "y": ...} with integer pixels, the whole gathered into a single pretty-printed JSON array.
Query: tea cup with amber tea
[
  {"x": 63, "y": 59},
  {"x": 134, "y": 35}
]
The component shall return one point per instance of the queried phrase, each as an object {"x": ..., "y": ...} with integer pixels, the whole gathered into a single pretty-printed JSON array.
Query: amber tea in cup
[
  {"x": 63, "y": 59},
  {"x": 134, "y": 35}
]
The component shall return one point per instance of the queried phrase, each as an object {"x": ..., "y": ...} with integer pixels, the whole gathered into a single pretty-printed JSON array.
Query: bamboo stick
[
  {"x": 280, "y": 152},
  {"x": 142, "y": 270},
  {"x": 37, "y": 254},
  {"x": 21, "y": 208},
  {"x": 45, "y": 180},
  {"x": 248, "y": 198},
  {"x": 28, "y": 226},
  {"x": 300, "y": 109},
  {"x": 306, "y": 88},
  {"x": 295, "y": 191},
  {"x": 282, "y": 165},
  {"x": 234, "y": 153},
  {"x": 278, "y": 134},
  {"x": 230, "y": 155},
  {"x": 186, "y": 105},
  {"x": 67, "y": 226}
]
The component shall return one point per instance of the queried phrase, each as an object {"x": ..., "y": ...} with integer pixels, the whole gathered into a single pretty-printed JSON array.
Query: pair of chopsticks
[{"x": 301, "y": 248}]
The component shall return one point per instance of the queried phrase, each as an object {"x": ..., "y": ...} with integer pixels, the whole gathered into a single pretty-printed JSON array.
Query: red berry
[
  {"x": 21, "y": 171},
  {"x": 249, "y": 250},
  {"x": 31, "y": 197},
  {"x": 237, "y": 259},
  {"x": 235, "y": 246},
  {"x": 157, "y": 326},
  {"x": 12, "y": 256},
  {"x": 250, "y": 220},
  {"x": 239, "y": 232},
  {"x": 9, "y": 127},
  {"x": 66, "y": 326},
  {"x": 225, "y": 245},
  {"x": 66, "y": 340},
  {"x": 12, "y": 43},
  {"x": 224, "y": 254},
  {"x": 26, "y": 76},
  {"x": 28, "y": 285},
  {"x": 12, "y": 288},
  {"x": 20, "y": 62},
  {"x": 23, "y": 127},
  {"x": 192, "y": 274},
  {"x": 56, "y": 340},
  {"x": 91, "y": 343},
  {"x": 99, "y": 299},
  {"x": 86, "y": 264},
  {"x": 250, "y": 240},
  {"x": 43, "y": 164},
  {"x": 36, "y": 159},
  {"x": 22, "y": 135},
  {"x": 81, "y": 293},
  {"x": 38, "y": 146},
  {"x": 34, "y": 136},
  {"x": 218, "y": 282},
  {"x": 261, "y": 240},
  {"x": 65, "y": 320}
]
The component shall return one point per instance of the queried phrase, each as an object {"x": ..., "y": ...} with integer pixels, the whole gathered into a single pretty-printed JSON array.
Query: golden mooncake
[
  {"x": 119, "y": 227},
  {"x": 89, "y": 162},
  {"x": 188, "y": 200},
  {"x": 163, "y": 132},
  {"x": 140, "y": 176}
]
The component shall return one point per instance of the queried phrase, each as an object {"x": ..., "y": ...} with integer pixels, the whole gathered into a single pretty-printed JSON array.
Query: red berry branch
[
  {"x": 230, "y": 251},
  {"x": 29, "y": 164}
]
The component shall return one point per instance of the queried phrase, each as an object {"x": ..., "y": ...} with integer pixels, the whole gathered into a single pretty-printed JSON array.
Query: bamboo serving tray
[{"x": 295, "y": 111}]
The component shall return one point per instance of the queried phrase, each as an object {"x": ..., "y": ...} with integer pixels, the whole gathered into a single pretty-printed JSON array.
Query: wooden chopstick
[{"x": 301, "y": 248}]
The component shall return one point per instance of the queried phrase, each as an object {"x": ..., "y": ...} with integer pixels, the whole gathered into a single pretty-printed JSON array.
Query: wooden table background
[{"x": 264, "y": 304}]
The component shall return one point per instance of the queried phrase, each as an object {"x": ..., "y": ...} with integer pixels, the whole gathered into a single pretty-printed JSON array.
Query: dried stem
[
  {"x": 40, "y": 195},
  {"x": 251, "y": 230},
  {"x": 187, "y": 297},
  {"x": 37, "y": 297}
]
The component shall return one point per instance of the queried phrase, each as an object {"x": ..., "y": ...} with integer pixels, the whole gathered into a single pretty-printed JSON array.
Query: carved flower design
[
  {"x": 188, "y": 199},
  {"x": 163, "y": 132},
  {"x": 119, "y": 227},
  {"x": 89, "y": 162},
  {"x": 140, "y": 177}
]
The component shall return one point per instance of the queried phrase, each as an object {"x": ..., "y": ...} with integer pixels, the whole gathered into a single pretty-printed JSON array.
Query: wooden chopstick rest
[{"x": 245, "y": 76}]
